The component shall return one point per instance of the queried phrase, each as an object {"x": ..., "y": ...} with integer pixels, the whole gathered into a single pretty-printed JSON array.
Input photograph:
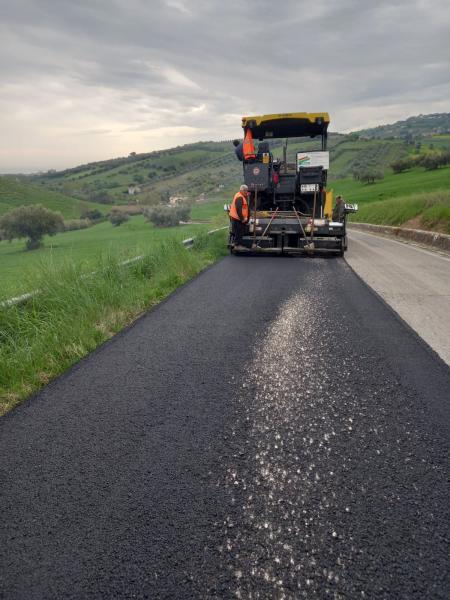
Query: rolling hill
[
  {"x": 211, "y": 167},
  {"x": 201, "y": 168},
  {"x": 412, "y": 128},
  {"x": 14, "y": 193}
]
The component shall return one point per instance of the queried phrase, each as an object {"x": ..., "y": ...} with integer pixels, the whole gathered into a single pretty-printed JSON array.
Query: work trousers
[{"x": 239, "y": 229}]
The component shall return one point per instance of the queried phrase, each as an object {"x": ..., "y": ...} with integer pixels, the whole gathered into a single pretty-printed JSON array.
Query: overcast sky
[{"x": 86, "y": 80}]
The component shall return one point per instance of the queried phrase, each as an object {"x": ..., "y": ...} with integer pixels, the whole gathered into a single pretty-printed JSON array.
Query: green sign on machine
[{"x": 313, "y": 159}]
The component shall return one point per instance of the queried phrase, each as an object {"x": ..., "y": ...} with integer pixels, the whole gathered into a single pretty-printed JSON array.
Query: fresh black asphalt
[{"x": 271, "y": 430}]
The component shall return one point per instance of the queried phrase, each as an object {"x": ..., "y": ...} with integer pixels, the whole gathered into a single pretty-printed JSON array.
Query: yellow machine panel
[
  {"x": 287, "y": 125},
  {"x": 328, "y": 208}
]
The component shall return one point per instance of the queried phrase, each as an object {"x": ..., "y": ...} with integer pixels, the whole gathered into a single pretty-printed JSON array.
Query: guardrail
[{"x": 187, "y": 243}]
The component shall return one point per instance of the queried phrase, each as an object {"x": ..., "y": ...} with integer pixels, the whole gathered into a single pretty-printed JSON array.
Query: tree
[
  {"x": 402, "y": 164},
  {"x": 93, "y": 214},
  {"x": 430, "y": 162},
  {"x": 367, "y": 173},
  {"x": 117, "y": 217},
  {"x": 32, "y": 222},
  {"x": 102, "y": 197},
  {"x": 445, "y": 158},
  {"x": 167, "y": 216},
  {"x": 165, "y": 197}
]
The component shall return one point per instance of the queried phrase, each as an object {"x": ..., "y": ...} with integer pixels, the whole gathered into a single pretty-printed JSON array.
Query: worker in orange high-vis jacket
[
  {"x": 239, "y": 215},
  {"x": 248, "y": 146}
]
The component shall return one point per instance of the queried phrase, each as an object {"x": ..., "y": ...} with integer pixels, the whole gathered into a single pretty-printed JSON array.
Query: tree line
[
  {"x": 430, "y": 161},
  {"x": 34, "y": 221}
]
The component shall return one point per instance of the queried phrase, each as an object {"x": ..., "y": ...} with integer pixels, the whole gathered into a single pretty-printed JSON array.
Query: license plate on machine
[{"x": 309, "y": 187}]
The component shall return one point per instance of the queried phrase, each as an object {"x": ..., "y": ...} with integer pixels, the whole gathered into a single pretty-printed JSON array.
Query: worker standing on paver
[
  {"x": 239, "y": 215},
  {"x": 339, "y": 209}
]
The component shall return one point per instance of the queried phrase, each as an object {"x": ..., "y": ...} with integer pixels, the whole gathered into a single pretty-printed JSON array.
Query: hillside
[
  {"x": 399, "y": 198},
  {"x": 201, "y": 168},
  {"x": 412, "y": 128},
  {"x": 211, "y": 167},
  {"x": 14, "y": 193},
  {"x": 109, "y": 180}
]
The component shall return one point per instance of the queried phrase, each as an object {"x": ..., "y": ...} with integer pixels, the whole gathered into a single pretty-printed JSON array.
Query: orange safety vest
[
  {"x": 245, "y": 209},
  {"x": 248, "y": 146}
]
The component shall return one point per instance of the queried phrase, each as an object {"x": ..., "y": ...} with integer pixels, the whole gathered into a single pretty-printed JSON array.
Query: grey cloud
[{"x": 131, "y": 67}]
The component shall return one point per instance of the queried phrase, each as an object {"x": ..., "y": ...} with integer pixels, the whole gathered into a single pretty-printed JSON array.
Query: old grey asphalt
[
  {"x": 413, "y": 280},
  {"x": 272, "y": 430}
]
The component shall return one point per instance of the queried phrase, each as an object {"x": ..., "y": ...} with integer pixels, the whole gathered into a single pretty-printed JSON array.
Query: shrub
[
  {"x": 167, "y": 216},
  {"x": 74, "y": 224},
  {"x": 32, "y": 222},
  {"x": 92, "y": 214},
  {"x": 101, "y": 197},
  {"x": 117, "y": 217}
]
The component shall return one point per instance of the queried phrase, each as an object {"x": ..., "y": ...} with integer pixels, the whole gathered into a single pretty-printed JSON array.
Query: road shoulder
[{"x": 413, "y": 281}]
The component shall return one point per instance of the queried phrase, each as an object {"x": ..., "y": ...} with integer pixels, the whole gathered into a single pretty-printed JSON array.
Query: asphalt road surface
[
  {"x": 272, "y": 430},
  {"x": 414, "y": 281}
]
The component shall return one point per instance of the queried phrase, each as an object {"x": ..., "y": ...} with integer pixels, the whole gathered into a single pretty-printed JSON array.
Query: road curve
[
  {"x": 414, "y": 281},
  {"x": 272, "y": 430}
]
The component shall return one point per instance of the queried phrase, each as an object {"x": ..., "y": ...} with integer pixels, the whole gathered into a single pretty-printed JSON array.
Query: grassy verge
[
  {"x": 73, "y": 314},
  {"x": 415, "y": 181},
  {"x": 83, "y": 247},
  {"x": 431, "y": 211}
]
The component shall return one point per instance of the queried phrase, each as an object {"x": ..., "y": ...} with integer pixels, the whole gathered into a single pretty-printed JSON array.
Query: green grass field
[
  {"x": 85, "y": 247},
  {"x": 14, "y": 194},
  {"x": 398, "y": 198},
  {"x": 415, "y": 181}
]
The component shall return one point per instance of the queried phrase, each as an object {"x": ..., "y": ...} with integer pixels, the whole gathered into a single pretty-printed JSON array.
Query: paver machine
[{"x": 290, "y": 206}]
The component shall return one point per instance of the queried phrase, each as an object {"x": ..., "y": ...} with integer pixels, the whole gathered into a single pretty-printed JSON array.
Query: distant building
[
  {"x": 174, "y": 200},
  {"x": 134, "y": 189}
]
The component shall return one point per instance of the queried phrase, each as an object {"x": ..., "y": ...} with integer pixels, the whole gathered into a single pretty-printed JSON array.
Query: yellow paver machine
[{"x": 291, "y": 208}]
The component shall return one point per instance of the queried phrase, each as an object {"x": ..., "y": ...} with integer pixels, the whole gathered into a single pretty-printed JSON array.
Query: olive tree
[
  {"x": 117, "y": 217},
  {"x": 167, "y": 216},
  {"x": 32, "y": 222}
]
